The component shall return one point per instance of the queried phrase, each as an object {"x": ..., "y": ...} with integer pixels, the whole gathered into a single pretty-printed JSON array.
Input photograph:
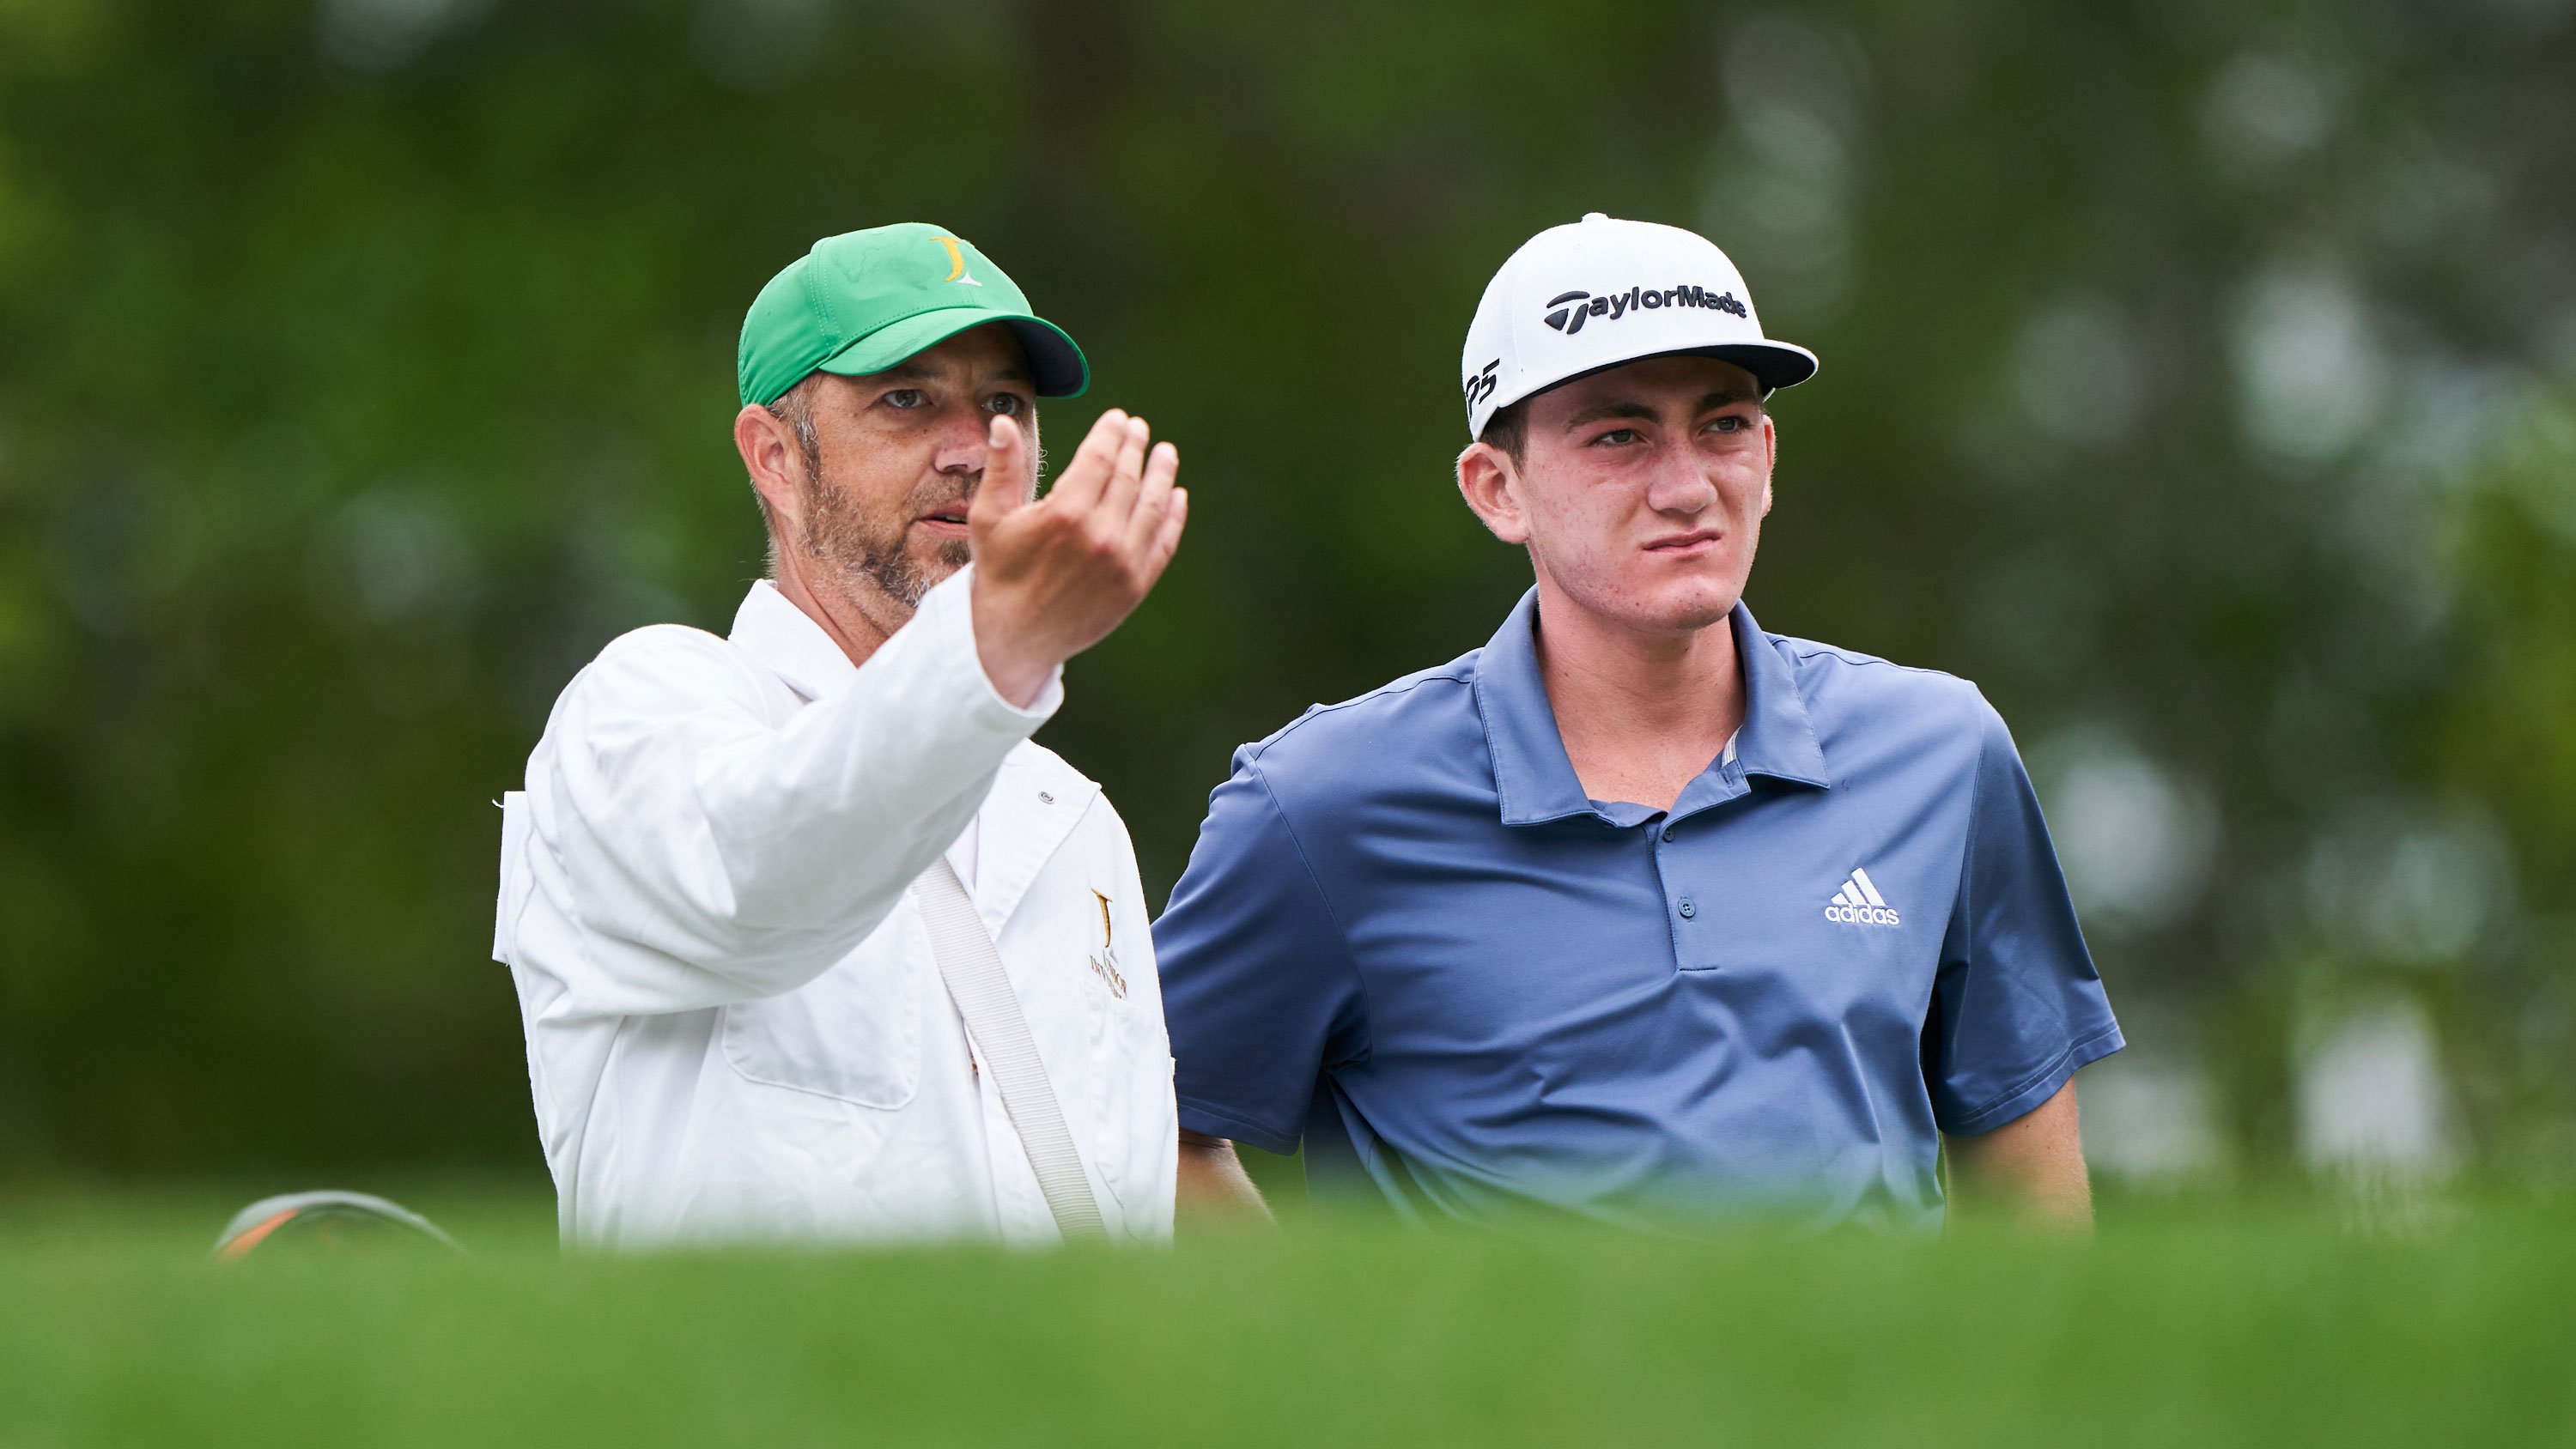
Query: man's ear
[
  {"x": 1770, "y": 460},
  {"x": 771, "y": 456},
  {"x": 1491, "y": 484}
]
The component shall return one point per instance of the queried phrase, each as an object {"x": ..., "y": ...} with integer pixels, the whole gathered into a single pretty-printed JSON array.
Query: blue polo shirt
[{"x": 1407, "y": 941}]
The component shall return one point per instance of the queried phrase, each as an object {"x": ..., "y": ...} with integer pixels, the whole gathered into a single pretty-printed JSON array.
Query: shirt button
[
  {"x": 1688, "y": 910},
  {"x": 1668, "y": 832}
]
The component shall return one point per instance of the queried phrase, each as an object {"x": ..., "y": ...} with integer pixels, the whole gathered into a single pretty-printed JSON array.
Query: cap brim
[
  {"x": 1057, "y": 367},
  {"x": 1775, "y": 365}
]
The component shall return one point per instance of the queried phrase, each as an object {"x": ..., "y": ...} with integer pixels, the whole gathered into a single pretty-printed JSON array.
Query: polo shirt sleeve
[
  {"x": 1258, "y": 991},
  {"x": 2017, "y": 1007}
]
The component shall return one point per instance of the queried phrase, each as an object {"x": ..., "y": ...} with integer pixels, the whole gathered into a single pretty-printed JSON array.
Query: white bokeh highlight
[
  {"x": 2137, "y": 840},
  {"x": 2372, "y": 1099},
  {"x": 2310, "y": 373}
]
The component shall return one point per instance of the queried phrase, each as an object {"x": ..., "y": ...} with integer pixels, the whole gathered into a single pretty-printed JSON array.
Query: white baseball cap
[{"x": 1600, "y": 292}]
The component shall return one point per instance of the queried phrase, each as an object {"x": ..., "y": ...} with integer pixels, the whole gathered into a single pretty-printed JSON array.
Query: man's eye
[
  {"x": 1729, "y": 424},
  {"x": 905, "y": 397},
  {"x": 1008, "y": 406},
  {"x": 1618, "y": 437}
]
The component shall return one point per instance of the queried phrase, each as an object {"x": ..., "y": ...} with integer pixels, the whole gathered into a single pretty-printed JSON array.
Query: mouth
[
  {"x": 946, "y": 519},
  {"x": 1696, "y": 541}
]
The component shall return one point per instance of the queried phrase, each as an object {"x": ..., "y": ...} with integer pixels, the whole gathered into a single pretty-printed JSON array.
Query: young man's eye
[
  {"x": 1618, "y": 437},
  {"x": 1728, "y": 424}
]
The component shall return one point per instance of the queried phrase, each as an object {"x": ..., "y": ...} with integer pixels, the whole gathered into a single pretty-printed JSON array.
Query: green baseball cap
[{"x": 863, "y": 301}]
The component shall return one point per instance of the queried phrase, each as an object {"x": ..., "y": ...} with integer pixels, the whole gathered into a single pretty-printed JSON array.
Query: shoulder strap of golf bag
[{"x": 972, "y": 968}]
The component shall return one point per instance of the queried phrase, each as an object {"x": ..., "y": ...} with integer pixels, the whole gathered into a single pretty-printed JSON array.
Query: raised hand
[{"x": 1053, "y": 577}]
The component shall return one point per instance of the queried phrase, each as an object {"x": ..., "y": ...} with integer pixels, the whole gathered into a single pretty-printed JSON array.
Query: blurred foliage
[{"x": 2200, "y": 378}]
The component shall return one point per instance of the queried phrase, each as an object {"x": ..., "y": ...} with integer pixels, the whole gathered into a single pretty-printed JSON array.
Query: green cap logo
[
  {"x": 957, "y": 262},
  {"x": 863, "y": 301}
]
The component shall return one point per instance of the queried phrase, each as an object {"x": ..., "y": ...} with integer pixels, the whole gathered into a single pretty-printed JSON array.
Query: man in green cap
[{"x": 810, "y": 940}]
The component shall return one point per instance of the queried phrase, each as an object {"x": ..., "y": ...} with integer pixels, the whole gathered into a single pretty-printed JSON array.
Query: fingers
[
  {"x": 1168, "y": 540},
  {"x": 1121, "y": 492},
  {"x": 1153, "y": 497},
  {"x": 1080, "y": 485},
  {"x": 1006, "y": 472},
  {"x": 1118, "y": 498}
]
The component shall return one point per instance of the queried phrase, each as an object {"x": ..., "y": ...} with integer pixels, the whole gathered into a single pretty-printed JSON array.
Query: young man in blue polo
[{"x": 1638, "y": 912}]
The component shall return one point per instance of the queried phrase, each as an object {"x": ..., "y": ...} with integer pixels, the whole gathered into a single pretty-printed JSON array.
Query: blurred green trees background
[{"x": 2200, "y": 378}]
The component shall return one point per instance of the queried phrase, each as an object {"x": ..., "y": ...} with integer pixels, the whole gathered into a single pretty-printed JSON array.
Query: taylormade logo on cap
[
  {"x": 1568, "y": 312},
  {"x": 1597, "y": 293}
]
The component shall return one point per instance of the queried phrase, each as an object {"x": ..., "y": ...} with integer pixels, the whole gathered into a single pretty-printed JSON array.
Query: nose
[
  {"x": 963, "y": 444},
  {"x": 1680, "y": 485}
]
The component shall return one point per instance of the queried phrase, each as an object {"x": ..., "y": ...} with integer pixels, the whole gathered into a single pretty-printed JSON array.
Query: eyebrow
[{"x": 1600, "y": 412}]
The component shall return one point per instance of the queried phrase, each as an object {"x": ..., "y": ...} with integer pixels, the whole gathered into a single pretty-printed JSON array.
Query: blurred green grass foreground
[{"x": 2306, "y": 1324}]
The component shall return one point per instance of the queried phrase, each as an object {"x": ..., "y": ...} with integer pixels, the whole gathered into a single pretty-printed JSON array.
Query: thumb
[{"x": 1006, "y": 472}]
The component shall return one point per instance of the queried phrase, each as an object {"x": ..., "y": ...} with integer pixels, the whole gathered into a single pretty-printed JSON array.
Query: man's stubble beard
[{"x": 859, "y": 550}]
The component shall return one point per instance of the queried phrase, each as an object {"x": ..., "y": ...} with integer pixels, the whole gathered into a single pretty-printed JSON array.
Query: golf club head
[{"x": 328, "y": 1219}]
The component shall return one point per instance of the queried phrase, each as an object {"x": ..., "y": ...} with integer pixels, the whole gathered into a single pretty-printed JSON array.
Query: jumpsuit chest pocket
[{"x": 853, "y": 1033}]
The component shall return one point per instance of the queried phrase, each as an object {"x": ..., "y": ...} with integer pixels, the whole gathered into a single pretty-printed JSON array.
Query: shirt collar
[
  {"x": 790, "y": 644},
  {"x": 1534, "y": 779}
]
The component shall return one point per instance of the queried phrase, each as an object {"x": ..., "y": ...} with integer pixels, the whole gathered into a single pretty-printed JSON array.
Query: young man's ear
[
  {"x": 1490, "y": 482},
  {"x": 1770, "y": 460}
]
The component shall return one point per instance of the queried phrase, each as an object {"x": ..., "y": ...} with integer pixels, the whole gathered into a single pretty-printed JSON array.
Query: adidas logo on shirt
[{"x": 1858, "y": 903}]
